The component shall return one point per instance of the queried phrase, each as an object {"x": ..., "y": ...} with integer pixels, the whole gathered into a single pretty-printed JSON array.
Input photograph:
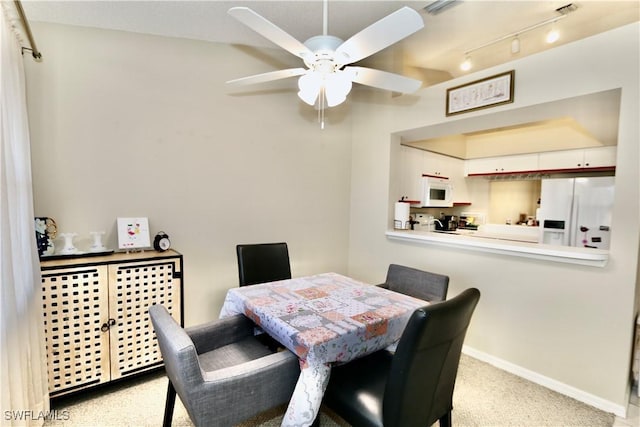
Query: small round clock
[{"x": 161, "y": 242}]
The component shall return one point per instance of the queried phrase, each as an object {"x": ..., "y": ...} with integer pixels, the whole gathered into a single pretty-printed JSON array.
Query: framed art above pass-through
[{"x": 484, "y": 93}]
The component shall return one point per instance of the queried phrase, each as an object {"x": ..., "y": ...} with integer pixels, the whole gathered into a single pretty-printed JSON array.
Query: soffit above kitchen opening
[{"x": 579, "y": 122}]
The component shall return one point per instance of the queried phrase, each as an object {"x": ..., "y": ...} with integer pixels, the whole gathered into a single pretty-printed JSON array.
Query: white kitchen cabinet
[
  {"x": 438, "y": 165},
  {"x": 449, "y": 167},
  {"x": 600, "y": 157},
  {"x": 578, "y": 159},
  {"x": 415, "y": 163},
  {"x": 502, "y": 164},
  {"x": 411, "y": 166},
  {"x": 96, "y": 324}
]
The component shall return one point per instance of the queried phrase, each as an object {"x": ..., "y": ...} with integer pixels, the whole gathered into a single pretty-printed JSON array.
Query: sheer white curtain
[{"x": 24, "y": 377}]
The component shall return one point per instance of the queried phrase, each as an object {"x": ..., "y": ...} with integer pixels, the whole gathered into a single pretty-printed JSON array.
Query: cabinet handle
[{"x": 107, "y": 325}]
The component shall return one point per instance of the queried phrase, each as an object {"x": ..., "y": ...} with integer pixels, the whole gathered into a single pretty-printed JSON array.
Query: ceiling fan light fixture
[
  {"x": 334, "y": 98},
  {"x": 310, "y": 85},
  {"x": 337, "y": 87}
]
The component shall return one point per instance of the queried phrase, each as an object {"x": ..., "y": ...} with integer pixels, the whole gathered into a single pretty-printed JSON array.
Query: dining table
[{"x": 325, "y": 319}]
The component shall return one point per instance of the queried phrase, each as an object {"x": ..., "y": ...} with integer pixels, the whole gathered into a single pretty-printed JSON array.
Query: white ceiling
[{"x": 434, "y": 53}]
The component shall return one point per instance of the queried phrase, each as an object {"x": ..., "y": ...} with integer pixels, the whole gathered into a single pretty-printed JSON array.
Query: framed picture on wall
[
  {"x": 133, "y": 233},
  {"x": 485, "y": 93}
]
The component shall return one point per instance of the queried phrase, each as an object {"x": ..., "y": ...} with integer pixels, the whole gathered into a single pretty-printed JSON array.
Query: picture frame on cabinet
[
  {"x": 133, "y": 233},
  {"x": 488, "y": 92}
]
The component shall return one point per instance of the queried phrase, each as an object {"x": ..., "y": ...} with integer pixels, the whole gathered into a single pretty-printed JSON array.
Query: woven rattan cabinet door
[
  {"x": 75, "y": 308},
  {"x": 133, "y": 288}
]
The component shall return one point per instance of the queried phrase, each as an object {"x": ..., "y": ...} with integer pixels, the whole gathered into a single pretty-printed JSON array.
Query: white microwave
[{"x": 436, "y": 192}]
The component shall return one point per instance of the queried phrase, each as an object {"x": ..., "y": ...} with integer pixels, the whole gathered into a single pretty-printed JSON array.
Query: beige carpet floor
[{"x": 484, "y": 396}]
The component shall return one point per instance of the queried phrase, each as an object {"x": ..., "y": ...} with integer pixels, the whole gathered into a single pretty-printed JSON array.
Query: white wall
[
  {"x": 124, "y": 124},
  {"x": 567, "y": 326}
]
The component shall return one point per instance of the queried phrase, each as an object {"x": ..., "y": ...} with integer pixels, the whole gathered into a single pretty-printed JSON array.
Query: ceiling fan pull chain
[{"x": 321, "y": 112}]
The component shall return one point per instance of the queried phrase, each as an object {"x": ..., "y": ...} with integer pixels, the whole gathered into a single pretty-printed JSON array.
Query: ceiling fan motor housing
[{"x": 324, "y": 49}]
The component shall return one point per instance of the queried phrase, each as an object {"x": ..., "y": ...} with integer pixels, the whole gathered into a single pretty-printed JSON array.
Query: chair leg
[
  {"x": 168, "y": 408},
  {"x": 445, "y": 420}
]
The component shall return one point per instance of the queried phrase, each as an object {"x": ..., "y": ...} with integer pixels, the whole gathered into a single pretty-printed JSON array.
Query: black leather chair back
[
  {"x": 417, "y": 283},
  {"x": 424, "y": 368},
  {"x": 263, "y": 262}
]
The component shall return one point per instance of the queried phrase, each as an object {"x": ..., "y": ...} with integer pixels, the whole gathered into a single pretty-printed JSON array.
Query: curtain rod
[{"x": 34, "y": 50}]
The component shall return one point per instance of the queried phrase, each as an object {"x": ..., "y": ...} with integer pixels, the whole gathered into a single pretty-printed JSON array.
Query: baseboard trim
[{"x": 557, "y": 386}]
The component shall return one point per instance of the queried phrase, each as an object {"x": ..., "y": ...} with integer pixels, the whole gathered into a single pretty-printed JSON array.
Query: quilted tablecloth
[{"x": 324, "y": 319}]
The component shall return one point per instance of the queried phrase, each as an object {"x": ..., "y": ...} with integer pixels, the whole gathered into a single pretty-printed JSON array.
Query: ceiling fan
[{"x": 328, "y": 78}]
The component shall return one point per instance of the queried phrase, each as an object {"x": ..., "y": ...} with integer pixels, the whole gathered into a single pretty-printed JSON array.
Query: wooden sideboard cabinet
[{"x": 96, "y": 320}]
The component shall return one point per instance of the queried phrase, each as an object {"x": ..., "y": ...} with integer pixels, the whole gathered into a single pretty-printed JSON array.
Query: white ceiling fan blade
[
  {"x": 383, "y": 79},
  {"x": 383, "y": 33},
  {"x": 270, "y": 31},
  {"x": 267, "y": 77}
]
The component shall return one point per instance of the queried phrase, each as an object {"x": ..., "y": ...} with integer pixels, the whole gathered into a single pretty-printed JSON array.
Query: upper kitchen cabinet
[
  {"x": 415, "y": 163},
  {"x": 598, "y": 157},
  {"x": 502, "y": 164},
  {"x": 411, "y": 163},
  {"x": 438, "y": 165}
]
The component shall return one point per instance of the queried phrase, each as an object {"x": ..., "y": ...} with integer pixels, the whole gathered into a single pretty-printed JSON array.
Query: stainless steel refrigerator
[{"x": 576, "y": 211}]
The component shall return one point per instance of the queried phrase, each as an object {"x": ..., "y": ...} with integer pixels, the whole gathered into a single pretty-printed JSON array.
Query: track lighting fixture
[
  {"x": 515, "y": 45},
  {"x": 466, "y": 64},
  {"x": 439, "y": 6},
  {"x": 551, "y": 37}
]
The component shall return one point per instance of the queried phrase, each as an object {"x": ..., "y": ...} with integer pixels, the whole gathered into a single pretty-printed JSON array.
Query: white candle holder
[
  {"x": 97, "y": 245},
  {"x": 69, "y": 247}
]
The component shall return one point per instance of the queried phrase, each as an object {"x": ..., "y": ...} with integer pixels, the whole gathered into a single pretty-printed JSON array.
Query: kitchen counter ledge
[{"x": 467, "y": 240}]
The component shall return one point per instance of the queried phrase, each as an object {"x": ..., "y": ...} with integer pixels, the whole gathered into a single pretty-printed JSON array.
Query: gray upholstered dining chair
[
  {"x": 416, "y": 283},
  {"x": 413, "y": 387},
  {"x": 263, "y": 262},
  {"x": 222, "y": 374}
]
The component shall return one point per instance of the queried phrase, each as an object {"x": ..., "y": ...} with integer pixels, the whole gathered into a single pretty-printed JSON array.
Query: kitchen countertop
[{"x": 468, "y": 239}]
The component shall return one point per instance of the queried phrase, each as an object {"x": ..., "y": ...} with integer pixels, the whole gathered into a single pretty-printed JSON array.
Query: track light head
[
  {"x": 466, "y": 64},
  {"x": 515, "y": 45},
  {"x": 552, "y": 36}
]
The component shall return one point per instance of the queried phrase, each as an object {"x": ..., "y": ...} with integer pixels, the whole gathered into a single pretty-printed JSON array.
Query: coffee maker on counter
[{"x": 447, "y": 223}]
